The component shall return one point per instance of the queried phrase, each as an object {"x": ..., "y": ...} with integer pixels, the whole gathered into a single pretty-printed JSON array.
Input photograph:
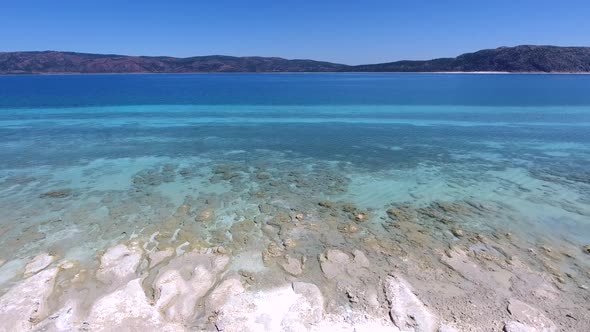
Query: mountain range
[{"x": 524, "y": 58}]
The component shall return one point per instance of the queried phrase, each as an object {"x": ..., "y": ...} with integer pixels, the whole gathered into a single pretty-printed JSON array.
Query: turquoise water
[{"x": 127, "y": 150}]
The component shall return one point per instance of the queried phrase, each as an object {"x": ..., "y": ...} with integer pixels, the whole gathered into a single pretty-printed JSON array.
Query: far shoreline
[{"x": 303, "y": 72}]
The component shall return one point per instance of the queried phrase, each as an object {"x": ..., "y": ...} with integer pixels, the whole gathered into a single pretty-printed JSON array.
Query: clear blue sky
[{"x": 343, "y": 31}]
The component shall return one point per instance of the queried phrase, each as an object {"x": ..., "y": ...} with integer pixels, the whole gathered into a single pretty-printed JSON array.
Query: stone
[
  {"x": 26, "y": 304},
  {"x": 183, "y": 210},
  {"x": 402, "y": 214},
  {"x": 529, "y": 316},
  {"x": 119, "y": 264},
  {"x": 57, "y": 194},
  {"x": 350, "y": 228},
  {"x": 38, "y": 263},
  {"x": 360, "y": 259},
  {"x": 263, "y": 176},
  {"x": 66, "y": 265},
  {"x": 349, "y": 207},
  {"x": 407, "y": 312},
  {"x": 289, "y": 243},
  {"x": 457, "y": 232},
  {"x": 299, "y": 216},
  {"x": 587, "y": 249},
  {"x": 333, "y": 263},
  {"x": 292, "y": 265},
  {"x": 273, "y": 250},
  {"x": 360, "y": 217},
  {"x": 265, "y": 208},
  {"x": 326, "y": 204}
]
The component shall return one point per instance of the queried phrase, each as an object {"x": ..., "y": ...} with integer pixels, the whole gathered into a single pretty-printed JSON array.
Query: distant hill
[
  {"x": 70, "y": 62},
  {"x": 524, "y": 58}
]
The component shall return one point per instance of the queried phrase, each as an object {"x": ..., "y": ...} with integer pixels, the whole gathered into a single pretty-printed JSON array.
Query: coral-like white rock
[
  {"x": 25, "y": 304},
  {"x": 119, "y": 264},
  {"x": 127, "y": 309},
  {"x": 184, "y": 281},
  {"x": 279, "y": 309}
]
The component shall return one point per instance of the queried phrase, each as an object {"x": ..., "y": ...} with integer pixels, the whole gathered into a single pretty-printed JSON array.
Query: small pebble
[{"x": 457, "y": 232}]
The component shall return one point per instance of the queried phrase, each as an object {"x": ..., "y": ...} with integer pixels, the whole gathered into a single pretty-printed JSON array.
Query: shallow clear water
[{"x": 127, "y": 150}]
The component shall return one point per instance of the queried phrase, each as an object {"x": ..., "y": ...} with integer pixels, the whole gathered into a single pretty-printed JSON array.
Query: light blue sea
[{"x": 86, "y": 160}]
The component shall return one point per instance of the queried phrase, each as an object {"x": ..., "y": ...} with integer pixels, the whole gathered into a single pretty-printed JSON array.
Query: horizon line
[{"x": 285, "y": 58}]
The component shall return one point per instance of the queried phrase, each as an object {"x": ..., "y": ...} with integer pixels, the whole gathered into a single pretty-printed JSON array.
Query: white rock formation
[
  {"x": 281, "y": 309},
  {"x": 119, "y": 264},
  {"x": 25, "y": 304},
  {"x": 128, "y": 309},
  {"x": 407, "y": 312},
  {"x": 184, "y": 281}
]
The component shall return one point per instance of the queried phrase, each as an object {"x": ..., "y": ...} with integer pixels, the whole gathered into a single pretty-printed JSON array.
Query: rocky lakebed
[{"x": 277, "y": 247}]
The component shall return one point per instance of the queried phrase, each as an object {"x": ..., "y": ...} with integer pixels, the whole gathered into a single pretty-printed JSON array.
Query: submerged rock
[
  {"x": 402, "y": 214},
  {"x": 349, "y": 228},
  {"x": 38, "y": 263},
  {"x": 333, "y": 263},
  {"x": 326, "y": 204},
  {"x": 292, "y": 265},
  {"x": 457, "y": 232},
  {"x": 63, "y": 193},
  {"x": 273, "y": 250},
  {"x": 262, "y": 176},
  {"x": 205, "y": 215},
  {"x": 360, "y": 217}
]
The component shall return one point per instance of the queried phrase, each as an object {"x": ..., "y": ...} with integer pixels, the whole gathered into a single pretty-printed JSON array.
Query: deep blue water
[
  {"x": 61, "y": 120},
  {"x": 294, "y": 89}
]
